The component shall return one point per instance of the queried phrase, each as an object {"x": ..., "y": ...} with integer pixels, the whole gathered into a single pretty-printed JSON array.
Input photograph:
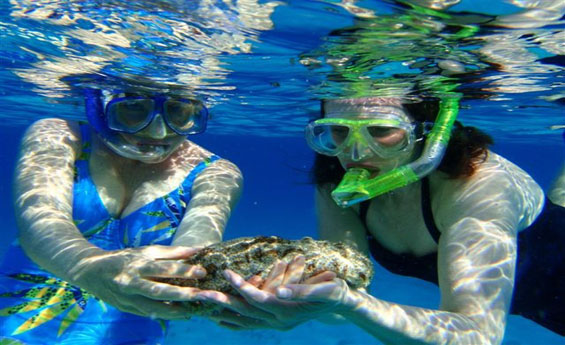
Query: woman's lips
[
  {"x": 142, "y": 142},
  {"x": 151, "y": 143}
]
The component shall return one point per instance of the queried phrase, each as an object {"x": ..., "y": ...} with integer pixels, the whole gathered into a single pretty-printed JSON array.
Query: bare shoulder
[
  {"x": 498, "y": 189},
  {"x": 51, "y": 135},
  {"x": 48, "y": 151},
  {"x": 191, "y": 154}
]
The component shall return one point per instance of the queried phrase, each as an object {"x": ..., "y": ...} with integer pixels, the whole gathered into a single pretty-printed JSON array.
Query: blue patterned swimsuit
[{"x": 38, "y": 308}]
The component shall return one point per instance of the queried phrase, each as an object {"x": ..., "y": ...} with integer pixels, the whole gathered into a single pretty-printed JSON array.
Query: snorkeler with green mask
[
  {"x": 453, "y": 213},
  {"x": 387, "y": 134},
  {"x": 400, "y": 180}
]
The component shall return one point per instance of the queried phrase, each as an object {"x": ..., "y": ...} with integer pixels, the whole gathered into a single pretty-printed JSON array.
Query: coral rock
[{"x": 249, "y": 256}]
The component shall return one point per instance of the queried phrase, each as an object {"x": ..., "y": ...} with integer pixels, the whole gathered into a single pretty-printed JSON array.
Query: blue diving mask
[
  {"x": 115, "y": 119},
  {"x": 133, "y": 114}
]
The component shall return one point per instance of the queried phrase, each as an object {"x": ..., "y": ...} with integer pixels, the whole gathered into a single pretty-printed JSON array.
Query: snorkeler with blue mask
[
  {"x": 145, "y": 128},
  {"x": 105, "y": 207}
]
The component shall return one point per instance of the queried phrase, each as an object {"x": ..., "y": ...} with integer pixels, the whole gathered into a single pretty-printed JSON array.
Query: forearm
[
  {"x": 56, "y": 245},
  {"x": 202, "y": 231},
  {"x": 204, "y": 221},
  {"x": 398, "y": 324},
  {"x": 215, "y": 193},
  {"x": 47, "y": 232}
]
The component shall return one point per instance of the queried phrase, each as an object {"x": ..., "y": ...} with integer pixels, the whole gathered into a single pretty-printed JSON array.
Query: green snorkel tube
[
  {"x": 361, "y": 72},
  {"x": 356, "y": 186}
]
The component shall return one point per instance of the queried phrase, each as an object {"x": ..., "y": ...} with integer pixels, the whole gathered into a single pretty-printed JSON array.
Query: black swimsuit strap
[
  {"x": 427, "y": 210},
  {"x": 407, "y": 264}
]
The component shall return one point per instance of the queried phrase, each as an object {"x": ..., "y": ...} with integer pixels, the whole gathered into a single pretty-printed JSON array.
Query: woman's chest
[
  {"x": 124, "y": 190},
  {"x": 399, "y": 225}
]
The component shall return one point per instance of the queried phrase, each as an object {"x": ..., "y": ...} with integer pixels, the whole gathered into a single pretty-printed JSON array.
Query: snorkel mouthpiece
[
  {"x": 356, "y": 186},
  {"x": 351, "y": 188}
]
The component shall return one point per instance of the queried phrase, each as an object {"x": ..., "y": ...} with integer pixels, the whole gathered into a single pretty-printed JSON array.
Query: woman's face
[
  {"x": 357, "y": 152},
  {"x": 152, "y": 144}
]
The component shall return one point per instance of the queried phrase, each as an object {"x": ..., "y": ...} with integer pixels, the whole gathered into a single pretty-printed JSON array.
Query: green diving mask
[
  {"x": 357, "y": 186},
  {"x": 387, "y": 135}
]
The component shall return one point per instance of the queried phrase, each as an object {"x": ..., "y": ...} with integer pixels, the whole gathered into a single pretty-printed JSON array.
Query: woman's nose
[
  {"x": 157, "y": 129},
  {"x": 359, "y": 151}
]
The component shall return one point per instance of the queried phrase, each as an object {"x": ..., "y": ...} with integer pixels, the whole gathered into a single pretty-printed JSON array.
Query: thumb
[{"x": 170, "y": 252}]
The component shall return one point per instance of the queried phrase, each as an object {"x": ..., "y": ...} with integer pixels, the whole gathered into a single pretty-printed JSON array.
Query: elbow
[{"x": 481, "y": 331}]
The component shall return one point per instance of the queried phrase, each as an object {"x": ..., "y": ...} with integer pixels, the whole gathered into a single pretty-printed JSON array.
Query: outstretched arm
[
  {"x": 215, "y": 193},
  {"x": 43, "y": 197},
  {"x": 479, "y": 219}
]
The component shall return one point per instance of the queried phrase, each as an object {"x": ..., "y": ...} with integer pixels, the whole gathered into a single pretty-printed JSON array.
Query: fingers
[
  {"x": 329, "y": 291},
  {"x": 276, "y": 276},
  {"x": 235, "y": 304},
  {"x": 171, "y": 269},
  {"x": 281, "y": 309},
  {"x": 321, "y": 277},
  {"x": 283, "y": 273},
  {"x": 256, "y": 281},
  {"x": 220, "y": 298},
  {"x": 248, "y": 291},
  {"x": 262, "y": 304},
  {"x": 159, "y": 252},
  {"x": 295, "y": 270}
]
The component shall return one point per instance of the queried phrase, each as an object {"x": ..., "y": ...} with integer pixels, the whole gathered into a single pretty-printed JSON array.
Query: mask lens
[
  {"x": 388, "y": 137},
  {"x": 386, "y": 141},
  {"x": 185, "y": 117},
  {"x": 129, "y": 115},
  {"x": 339, "y": 133},
  {"x": 327, "y": 139}
]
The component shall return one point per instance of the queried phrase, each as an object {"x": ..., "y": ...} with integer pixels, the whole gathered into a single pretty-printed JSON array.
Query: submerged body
[
  {"x": 478, "y": 202},
  {"x": 102, "y": 225},
  {"x": 486, "y": 233}
]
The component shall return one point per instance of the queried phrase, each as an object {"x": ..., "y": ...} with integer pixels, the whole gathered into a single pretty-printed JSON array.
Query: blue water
[{"x": 258, "y": 125}]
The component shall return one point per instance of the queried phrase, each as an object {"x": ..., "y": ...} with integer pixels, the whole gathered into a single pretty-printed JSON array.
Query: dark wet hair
[{"x": 467, "y": 148}]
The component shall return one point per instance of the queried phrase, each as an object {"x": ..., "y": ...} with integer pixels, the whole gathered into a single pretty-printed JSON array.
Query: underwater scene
[{"x": 426, "y": 135}]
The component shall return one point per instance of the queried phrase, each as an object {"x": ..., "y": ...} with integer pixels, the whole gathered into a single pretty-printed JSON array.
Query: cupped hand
[
  {"x": 282, "y": 301},
  {"x": 124, "y": 279}
]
